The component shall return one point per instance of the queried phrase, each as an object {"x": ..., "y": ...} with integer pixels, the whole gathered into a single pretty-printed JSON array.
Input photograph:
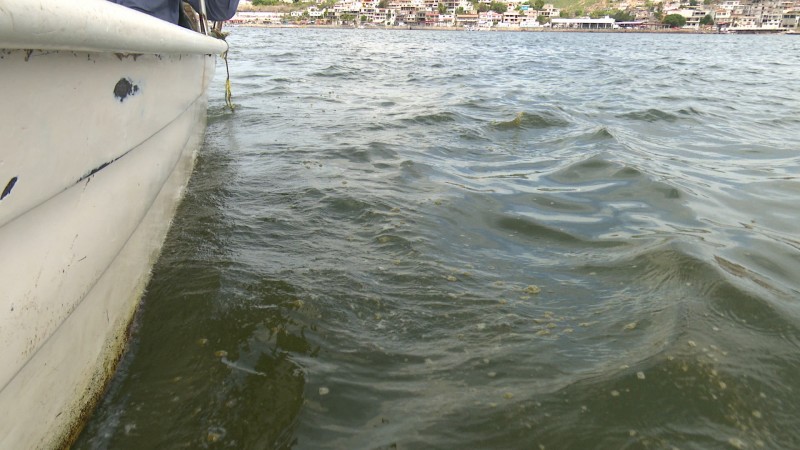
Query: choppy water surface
[{"x": 480, "y": 240}]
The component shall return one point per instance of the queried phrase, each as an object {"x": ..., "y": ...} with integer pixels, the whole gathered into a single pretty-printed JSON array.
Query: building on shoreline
[{"x": 585, "y": 23}]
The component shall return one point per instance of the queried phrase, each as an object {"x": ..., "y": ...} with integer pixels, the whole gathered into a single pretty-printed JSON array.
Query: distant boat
[{"x": 103, "y": 111}]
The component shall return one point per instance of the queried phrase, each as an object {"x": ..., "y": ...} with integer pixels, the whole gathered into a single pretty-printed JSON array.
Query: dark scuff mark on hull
[
  {"x": 8, "y": 188},
  {"x": 98, "y": 169},
  {"x": 122, "y": 56},
  {"x": 124, "y": 88}
]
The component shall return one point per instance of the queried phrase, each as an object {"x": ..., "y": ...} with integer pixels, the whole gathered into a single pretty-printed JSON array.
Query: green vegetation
[
  {"x": 674, "y": 20},
  {"x": 266, "y": 2},
  {"x": 576, "y": 5},
  {"x": 616, "y": 14},
  {"x": 707, "y": 20},
  {"x": 498, "y": 7}
]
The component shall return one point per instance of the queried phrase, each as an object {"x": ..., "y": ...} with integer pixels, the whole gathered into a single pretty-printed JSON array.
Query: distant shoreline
[{"x": 513, "y": 30}]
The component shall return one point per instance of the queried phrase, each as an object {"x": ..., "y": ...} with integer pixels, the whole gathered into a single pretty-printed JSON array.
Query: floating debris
[
  {"x": 491, "y": 374},
  {"x": 451, "y": 278},
  {"x": 692, "y": 343},
  {"x": 640, "y": 375},
  {"x": 615, "y": 393},
  {"x": 630, "y": 326},
  {"x": 544, "y": 332},
  {"x": 220, "y": 353},
  {"x": 737, "y": 443},
  {"x": 215, "y": 434},
  {"x": 480, "y": 326},
  {"x": 757, "y": 414},
  {"x": 508, "y": 396},
  {"x": 324, "y": 390},
  {"x": 202, "y": 342},
  {"x": 533, "y": 289}
]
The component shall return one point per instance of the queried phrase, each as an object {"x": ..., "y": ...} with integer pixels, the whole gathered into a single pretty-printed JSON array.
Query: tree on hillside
[
  {"x": 498, "y": 7},
  {"x": 622, "y": 16},
  {"x": 442, "y": 8},
  {"x": 707, "y": 20},
  {"x": 538, "y": 5},
  {"x": 542, "y": 19},
  {"x": 674, "y": 20},
  {"x": 383, "y": 4}
]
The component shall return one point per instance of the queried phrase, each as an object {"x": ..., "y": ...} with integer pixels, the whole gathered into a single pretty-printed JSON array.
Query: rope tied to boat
[
  {"x": 228, "y": 94},
  {"x": 216, "y": 31}
]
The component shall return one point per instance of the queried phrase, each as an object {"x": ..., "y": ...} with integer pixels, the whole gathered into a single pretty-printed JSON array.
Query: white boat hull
[{"x": 98, "y": 145}]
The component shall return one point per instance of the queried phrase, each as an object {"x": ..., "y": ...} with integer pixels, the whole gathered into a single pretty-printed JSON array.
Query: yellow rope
[
  {"x": 216, "y": 31},
  {"x": 228, "y": 94}
]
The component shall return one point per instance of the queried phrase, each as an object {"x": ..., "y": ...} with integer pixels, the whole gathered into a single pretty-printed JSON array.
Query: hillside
[{"x": 586, "y": 5}]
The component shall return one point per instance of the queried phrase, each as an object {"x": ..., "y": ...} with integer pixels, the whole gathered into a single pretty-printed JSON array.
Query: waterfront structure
[{"x": 584, "y": 23}]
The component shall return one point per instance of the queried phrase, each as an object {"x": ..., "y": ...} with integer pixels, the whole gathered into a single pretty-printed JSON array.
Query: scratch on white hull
[{"x": 98, "y": 146}]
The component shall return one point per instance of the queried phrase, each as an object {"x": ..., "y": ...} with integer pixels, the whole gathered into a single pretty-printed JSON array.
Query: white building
[{"x": 584, "y": 23}]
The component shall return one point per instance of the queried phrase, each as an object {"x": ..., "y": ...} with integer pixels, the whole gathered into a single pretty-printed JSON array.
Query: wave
[
  {"x": 524, "y": 121},
  {"x": 433, "y": 118},
  {"x": 651, "y": 115}
]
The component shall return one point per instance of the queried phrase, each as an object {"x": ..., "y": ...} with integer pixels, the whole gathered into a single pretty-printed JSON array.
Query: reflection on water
[{"x": 414, "y": 240}]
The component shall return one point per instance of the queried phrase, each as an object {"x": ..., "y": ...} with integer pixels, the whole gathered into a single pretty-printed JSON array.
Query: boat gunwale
[{"x": 95, "y": 26}]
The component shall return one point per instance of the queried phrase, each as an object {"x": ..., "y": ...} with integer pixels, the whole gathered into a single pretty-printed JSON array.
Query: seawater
[{"x": 479, "y": 240}]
